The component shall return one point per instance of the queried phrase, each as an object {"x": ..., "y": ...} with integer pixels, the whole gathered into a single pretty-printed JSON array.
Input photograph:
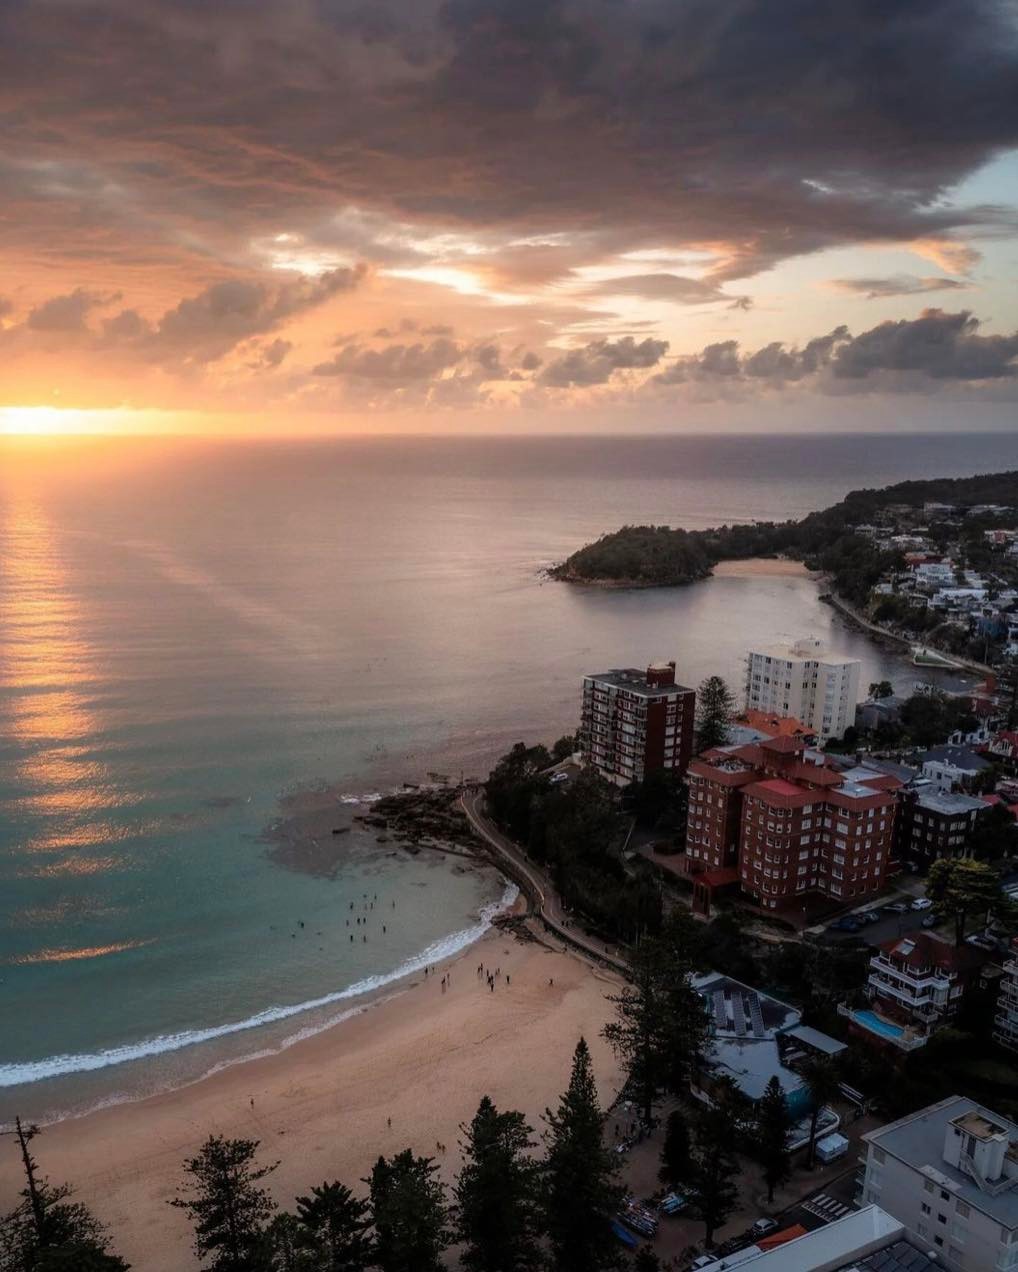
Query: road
[
  {"x": 545, "y": 902},
  {"x": 889, "y": 927}
]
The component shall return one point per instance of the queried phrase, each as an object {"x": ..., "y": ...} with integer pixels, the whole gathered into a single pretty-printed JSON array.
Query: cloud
[
  {"x": 909, "y": 355},
  {"x": 937, "y": 345},
  {"x": 271, "y": 355},
  {"x": 596, "y": 362},
  {"x": 546, "y": 133},
  {"x": 395, "y": 364},
  {"x": 66, "y": 313},
  {"x": 670, "y": 287},
  {"x": 897, "y": 285}
]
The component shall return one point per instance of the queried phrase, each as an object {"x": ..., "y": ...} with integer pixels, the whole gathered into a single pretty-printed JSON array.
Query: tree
[
  {"x": 713, "y": 1164},
  {"x": 646, "y": 1260},
  {"x": 962, "y": 887},
  {"x": 772, "y": 1135},
  {"x": 715, "y": 705},
  {"x": 291, "y": 1249},
  {"x": 228, "y": 1209},
  {"x": 674, "y": 1168},
  {"x": 661, "y": 1024},
  {"x": 46, "y": 1232},
  {"x": 994, "y": 834},
  {"x": 336, "y": 1225},
  {"x": 564, "y": 747},
  {"x": 496, "y": 1193},
  {"x": 881, "y": 689},
  {"x": 410, "y": 1214},
  {"x": 580, "y": 1190},
  {"x": 822, "y": 1083}
]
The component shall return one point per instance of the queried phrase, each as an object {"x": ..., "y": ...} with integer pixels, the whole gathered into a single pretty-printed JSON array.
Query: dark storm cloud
[
  {"x": 898, "y": 285},
  {"x": 908, "y": 355},
  {"x": 774, "y": 127},
  {"x": 596, "y": 362}
]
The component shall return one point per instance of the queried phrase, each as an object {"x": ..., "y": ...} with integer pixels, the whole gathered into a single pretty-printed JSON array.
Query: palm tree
[{"x": 822, "y": 1083}]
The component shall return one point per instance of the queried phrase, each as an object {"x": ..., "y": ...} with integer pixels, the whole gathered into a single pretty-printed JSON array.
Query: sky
[{"x": 319, "y": 216}]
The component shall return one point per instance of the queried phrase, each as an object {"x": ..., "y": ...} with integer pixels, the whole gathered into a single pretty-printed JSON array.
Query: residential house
[{"x": 953, "y": 767}]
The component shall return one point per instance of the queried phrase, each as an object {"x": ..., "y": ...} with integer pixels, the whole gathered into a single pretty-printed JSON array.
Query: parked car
[
  {"x": 922, "y": 903},
  {"x": 558, "y": 777},
  {"x": 870, "y": 916},
  {"x": 847, "y": 923},
  {"x": 981, "y": 941},
  {"x": 930, "y": 921},
  {"x": 896, "y": 907},
  {"x": 763, "y": 1227}
]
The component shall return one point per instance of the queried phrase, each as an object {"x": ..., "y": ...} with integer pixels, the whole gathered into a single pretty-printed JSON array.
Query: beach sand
[
  {"x": 755, "y": 567},
  {"x": 422, "y": 1057}
]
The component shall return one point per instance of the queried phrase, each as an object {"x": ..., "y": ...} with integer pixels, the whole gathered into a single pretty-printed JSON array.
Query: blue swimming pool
[{"x": 869, "y": 1020}]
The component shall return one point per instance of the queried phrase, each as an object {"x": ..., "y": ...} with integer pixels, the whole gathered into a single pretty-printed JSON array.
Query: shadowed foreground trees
[
  {"x": 496, "y": 1193},
  {"x": 580, "y": 1190},
  {"x": 46, "y": 1231}
]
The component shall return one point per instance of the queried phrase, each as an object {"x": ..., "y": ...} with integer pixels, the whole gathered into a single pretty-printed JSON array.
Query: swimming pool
[{"x": 870, "y": 1020}]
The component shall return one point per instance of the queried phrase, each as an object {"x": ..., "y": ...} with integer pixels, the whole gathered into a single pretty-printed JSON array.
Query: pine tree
[
  {"x": 713, "y": 1164},
  {"x": 580, "y": 1191},
  {"x": 46, "y": 1232},
  {"x": 496, "y": 1193},
  {"x": 772, "y": 1125},
  {"x": 228, "y": 1209},
  {"x": 410, "y": 1214},
  {"x": 674, "y": 1170},
  {"x": 715, "y": 706},
  {"x": 661, "y": 1025},
  {"x": 336, "y": 1225}
]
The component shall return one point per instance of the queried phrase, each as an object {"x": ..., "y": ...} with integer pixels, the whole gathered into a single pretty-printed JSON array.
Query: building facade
[
  {"x": 790, "y": 822},
  {"x": 949, "y": 1173},
  {"x": 933, "y": 823},
  {"x": 802, "y": 680},
  {"x": 1005, "y": 1022},
  {"x": 916, "y": 982},
  {"x": 634, "y": 722}
]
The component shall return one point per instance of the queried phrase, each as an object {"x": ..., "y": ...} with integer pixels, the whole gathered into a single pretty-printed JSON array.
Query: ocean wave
[{"x": 12, "y": 1075}]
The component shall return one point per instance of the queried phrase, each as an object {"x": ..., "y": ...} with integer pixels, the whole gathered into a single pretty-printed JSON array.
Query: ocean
[{"x": 193, "y": 633}]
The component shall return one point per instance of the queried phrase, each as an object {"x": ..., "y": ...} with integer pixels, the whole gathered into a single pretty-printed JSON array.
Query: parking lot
[{"x": 889, "y": 927}]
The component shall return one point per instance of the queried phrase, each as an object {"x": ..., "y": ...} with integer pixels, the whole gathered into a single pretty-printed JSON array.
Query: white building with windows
[
  {"x": 949, "y": 1173},
  {"x": 803, "y": 680},
  {"x": 1005, "y": 1022}
]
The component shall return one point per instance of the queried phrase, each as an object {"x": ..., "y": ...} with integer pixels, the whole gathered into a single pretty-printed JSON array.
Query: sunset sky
[{"x": 495, "y": 215}]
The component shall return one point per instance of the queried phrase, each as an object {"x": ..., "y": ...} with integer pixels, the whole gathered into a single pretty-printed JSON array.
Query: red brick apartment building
[
  {"x": 789, "y": 822},
  {"x": 634, "y": 722}
]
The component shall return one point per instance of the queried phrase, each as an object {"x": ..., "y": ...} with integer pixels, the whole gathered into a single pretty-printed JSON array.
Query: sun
[{"x": 38, "y": 421}]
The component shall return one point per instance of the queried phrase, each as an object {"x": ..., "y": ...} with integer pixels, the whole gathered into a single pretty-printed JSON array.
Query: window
[
  {"x": 921, "y": 1229},
  {"x": 925, "y": 1208},
  {"x": 963, "y": 1209},
  {"x": 928, "y": 1185}
]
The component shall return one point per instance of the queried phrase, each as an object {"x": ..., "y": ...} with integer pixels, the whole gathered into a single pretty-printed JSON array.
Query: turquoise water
[
  {"x": 191, "y": 631},
  {"x": 873, "y": 1022}
]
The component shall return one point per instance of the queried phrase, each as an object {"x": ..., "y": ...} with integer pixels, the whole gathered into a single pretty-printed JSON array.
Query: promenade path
[{"x": 545, "y": 902}]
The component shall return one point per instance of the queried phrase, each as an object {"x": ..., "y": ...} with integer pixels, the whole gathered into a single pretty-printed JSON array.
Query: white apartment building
[
  {"x": 949, "y": 1173},
  {"x": 804, "y": 681}
]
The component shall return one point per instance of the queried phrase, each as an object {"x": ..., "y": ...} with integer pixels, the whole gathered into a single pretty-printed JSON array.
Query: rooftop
[
  {"x": 870, "y": 1240},
  {"x": 959, "y": 757},
  {"x": 918, "y": 1140},
  {"x": 636, "y": 681},
  {"x": 946, "y": 802}
]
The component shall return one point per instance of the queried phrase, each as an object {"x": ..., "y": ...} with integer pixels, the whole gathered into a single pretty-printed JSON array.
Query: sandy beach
[
  {"x": 757, "y": 567},
  {"x": 422, "y": 1057}
]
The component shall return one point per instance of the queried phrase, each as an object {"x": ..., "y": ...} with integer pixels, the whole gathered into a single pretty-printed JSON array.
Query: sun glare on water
[{"x": 37, "y": 421}]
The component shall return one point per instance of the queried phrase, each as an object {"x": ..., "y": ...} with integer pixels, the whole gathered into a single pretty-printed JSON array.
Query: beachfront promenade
[{"x": 545, "y": 902}]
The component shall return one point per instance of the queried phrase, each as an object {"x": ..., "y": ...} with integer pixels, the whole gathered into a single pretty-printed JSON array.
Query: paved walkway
[{"x": 544, "y": 901}]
